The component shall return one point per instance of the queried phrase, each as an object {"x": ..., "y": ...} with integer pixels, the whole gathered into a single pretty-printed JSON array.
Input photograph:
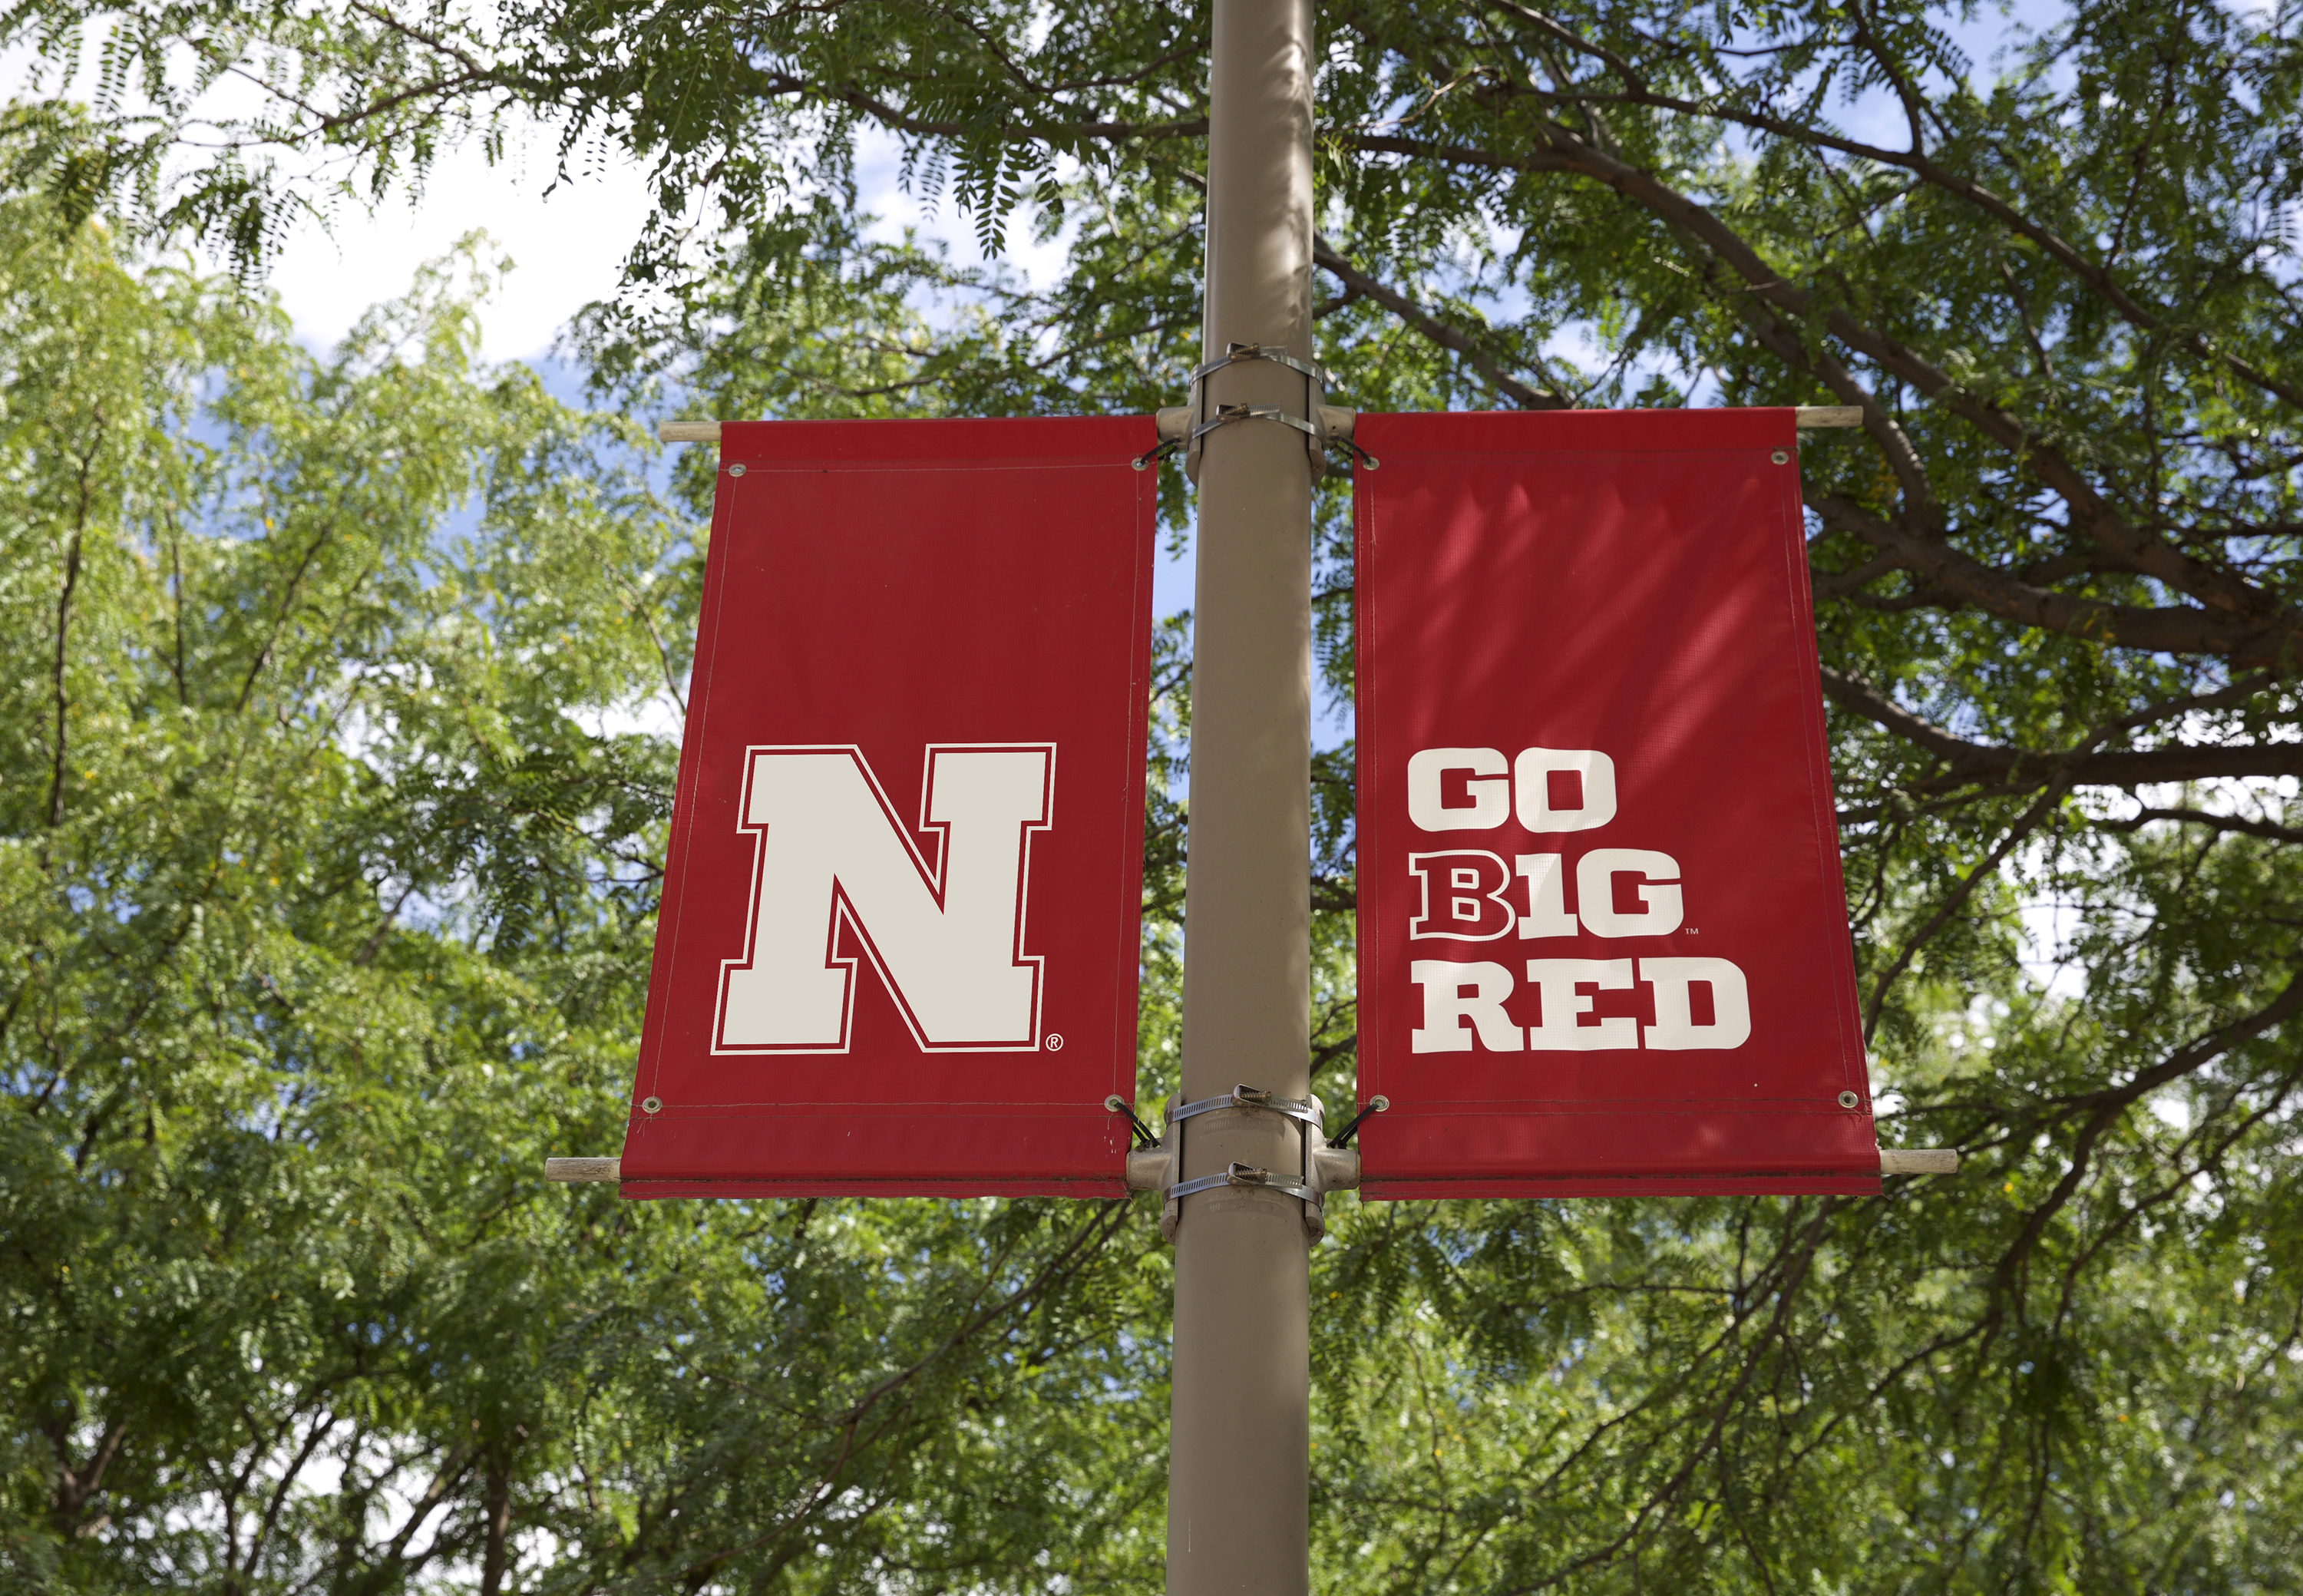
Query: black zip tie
[
  {"x": 1343, "y": 1138},
  {"x": 1372, "y": 463},
  {"x": 1158, "y": 451},
  {"x": 1143, "y": 1137}
]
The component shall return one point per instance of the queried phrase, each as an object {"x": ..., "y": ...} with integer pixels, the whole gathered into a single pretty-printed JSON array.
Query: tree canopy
[{"x": 330, "y": 833}]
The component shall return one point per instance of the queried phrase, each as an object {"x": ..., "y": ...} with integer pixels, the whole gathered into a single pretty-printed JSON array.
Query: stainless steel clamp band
[
  {"x": 1323, "y": 1169},
  {"x": 1242, "y": 1175},
  {"x": 1310, "y": 421},
  {"x": 1229, "y": 413},
  {"x": 1304, "y": 1185},
  {"x": 1261, "y": 352},
  {"x": 1250, "y": 1097}
]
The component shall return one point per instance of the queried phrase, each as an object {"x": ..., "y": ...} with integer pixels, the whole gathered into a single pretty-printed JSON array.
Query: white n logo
[{"x": 949, "y": 943}]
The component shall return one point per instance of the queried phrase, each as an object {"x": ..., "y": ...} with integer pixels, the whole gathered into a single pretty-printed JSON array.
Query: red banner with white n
[
  {"x": 1602, "y": 938},
  {"x": 896, "y": 952}
]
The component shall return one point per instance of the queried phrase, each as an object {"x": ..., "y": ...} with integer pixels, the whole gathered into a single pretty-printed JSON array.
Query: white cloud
[{"x": 568, "y": 248}]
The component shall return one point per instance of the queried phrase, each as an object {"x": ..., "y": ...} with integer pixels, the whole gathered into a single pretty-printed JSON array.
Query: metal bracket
[
  {"x": 1311, "y": 421},
  {"x": 1323, "y": 1169},
  {"x": 1178, "y": 425}
]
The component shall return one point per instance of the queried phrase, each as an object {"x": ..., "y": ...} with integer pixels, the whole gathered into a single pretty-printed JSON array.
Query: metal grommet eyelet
[
  {"x": 1848, "y": 1099},
  {"x": 650, "y": 1105},
  {"x": 1782, "y": 457},
  {"x": 739, "y": 471}
]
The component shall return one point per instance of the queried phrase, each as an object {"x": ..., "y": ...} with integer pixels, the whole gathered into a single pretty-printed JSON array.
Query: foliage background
[{"x": 330, "y": 821}]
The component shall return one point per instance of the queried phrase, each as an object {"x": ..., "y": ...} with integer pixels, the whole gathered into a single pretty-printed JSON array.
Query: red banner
[
  {"x": 898, "y": 951},
  {"x": 1602, "y": 939}
]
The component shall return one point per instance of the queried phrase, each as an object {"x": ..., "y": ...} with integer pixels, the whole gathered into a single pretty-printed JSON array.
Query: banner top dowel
[
  {"x": 1893, "y": 1161},
  {"x": 1338, "y": 422}
]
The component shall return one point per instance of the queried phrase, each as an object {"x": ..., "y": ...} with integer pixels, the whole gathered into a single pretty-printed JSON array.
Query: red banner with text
[
  {"x": 896, "y": 952},
  {"x": 1603, "y": 940}
]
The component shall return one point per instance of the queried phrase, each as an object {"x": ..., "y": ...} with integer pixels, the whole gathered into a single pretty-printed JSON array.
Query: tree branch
[
  {"x": 64, "y": 620},
  {"x": 2220, "y": 823},
  {"x": 1325, "y": 256},
  {"x": 2112, "y": 1101},
  {"x": 2175, "y": 629},
  {"x": 2098, "y": 280},
  {"x": 2016, "y": 769},
  {"x": 1563, "y": 151}
]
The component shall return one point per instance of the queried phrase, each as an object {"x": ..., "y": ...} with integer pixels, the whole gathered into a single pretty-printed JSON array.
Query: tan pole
[{"x": 1238, "y": 1481}]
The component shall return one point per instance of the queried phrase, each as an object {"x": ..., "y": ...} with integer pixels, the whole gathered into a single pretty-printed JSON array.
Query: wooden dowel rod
[
  {"x": 1809, "y": 415},
  {"x": 1919, "y": 1161},
  {"x": 1893, "y": 1161}
]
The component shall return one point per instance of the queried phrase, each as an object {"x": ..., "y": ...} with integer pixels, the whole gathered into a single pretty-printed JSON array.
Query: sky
[{"x": 568, "y": 246}]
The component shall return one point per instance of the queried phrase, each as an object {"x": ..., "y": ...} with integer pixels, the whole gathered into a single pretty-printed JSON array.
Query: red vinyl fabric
[
  {"x": 1602, "y": 938},
  {"x": 898, "y": 947}
]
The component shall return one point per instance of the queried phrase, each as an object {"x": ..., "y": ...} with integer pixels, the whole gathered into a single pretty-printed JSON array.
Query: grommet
[
  {"x": 650, "y": 1105},
  {"x": 1848, "y": 1099},
  {"x": 1782, "y": 457},
  {"x": 739, "y": 471}
]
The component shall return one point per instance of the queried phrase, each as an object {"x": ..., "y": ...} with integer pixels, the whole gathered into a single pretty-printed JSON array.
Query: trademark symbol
[
  {"x": 1692, "y": 931},
  {"x": 1055, "y": 1043}
]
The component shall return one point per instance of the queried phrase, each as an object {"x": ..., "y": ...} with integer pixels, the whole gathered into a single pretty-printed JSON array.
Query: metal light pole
[{"x": 1239, "y": 1472}]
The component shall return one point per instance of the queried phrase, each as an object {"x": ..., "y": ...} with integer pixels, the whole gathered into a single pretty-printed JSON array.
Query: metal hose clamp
[
  {"x": 1226, "y": 414},
  {"x": 1322, "y": 1169},
  {"x": 1261, "y": 352},
  {"x": 1251, "y": 1097},
  {"x": 1310, "y": 422},
  {"x": 1243, "y": 1175}
]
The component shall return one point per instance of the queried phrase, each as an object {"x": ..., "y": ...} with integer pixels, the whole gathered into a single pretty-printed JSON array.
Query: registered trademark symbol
[{"x": 1055, "y": 1043}]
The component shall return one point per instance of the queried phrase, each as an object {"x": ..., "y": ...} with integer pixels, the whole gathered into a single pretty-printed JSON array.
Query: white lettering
[
  {"x": 1427, "y": 798},
  {"x": 947, "y": 942},
  {"x": 1547, "y": 897},
  {"x": 1591, "y": 775},
  {"x": 1595, "y": 892},
  {"x": 1446, "y": 1007},
  {"x": 1559, "y": 982},
  {"x": 1472, "y": 885},
  {"x": 1675, "y": 1028},
  {"x": 1697, "y": 1004}
]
